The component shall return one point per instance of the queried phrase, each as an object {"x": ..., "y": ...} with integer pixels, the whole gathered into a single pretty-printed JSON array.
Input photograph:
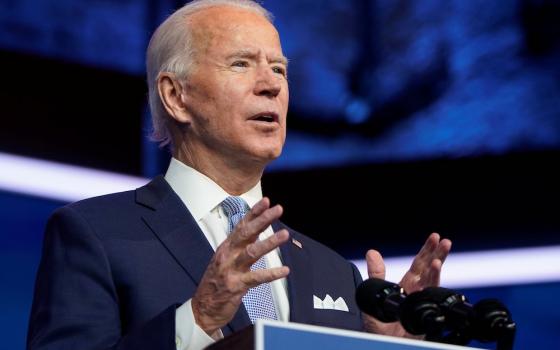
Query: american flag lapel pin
[{"x": 297, "y": 243}]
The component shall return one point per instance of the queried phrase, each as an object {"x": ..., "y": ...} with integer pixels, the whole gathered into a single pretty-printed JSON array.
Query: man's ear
[{"x": 171, "y": 95}]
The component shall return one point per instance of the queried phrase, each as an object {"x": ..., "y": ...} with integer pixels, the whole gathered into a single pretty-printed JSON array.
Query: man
[{"x": 179, "y": 262}]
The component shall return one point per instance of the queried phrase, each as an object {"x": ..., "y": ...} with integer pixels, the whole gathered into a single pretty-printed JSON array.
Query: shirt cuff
[{"x": 188, "y": 335}]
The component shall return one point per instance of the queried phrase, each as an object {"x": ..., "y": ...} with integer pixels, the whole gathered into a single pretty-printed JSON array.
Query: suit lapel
[
  {"x": 300, "y": 292},
  {"x": 175, "y": 227},
  {"x": 178, "y": 231}
]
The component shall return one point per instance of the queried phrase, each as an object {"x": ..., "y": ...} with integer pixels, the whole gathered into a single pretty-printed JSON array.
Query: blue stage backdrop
[{"x": 371, "y": 80}]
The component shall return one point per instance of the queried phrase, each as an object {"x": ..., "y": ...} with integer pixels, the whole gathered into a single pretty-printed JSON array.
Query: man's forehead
[
  {"x": 233, "y": 31},
  {"x": 226, "y": 16}
]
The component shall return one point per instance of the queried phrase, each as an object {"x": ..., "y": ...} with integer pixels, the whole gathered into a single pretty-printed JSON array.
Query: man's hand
[
  {"x": 424, "y": 272},
  {"x": 228, "y": 276}
]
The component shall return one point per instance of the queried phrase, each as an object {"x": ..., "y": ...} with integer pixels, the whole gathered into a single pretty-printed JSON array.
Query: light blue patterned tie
[{"x": 258, "y": 300}]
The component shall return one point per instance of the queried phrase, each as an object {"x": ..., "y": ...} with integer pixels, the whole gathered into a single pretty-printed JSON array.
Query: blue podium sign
[{"x": 275, "y": 335}]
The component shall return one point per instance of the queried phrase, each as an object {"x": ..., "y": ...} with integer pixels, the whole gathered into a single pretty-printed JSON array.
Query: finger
[
  {"x": 434, "y": 274},
  {"x": 254, "y": 278},
  {"x": 249, "y": 228},
  {"x": 426, "y": 254},
  {"x": 375, "y": 264},
  {"x": 258, "y": 208},
  {"x": 243, "y": 231},
  {"x": 431, "y": 243},
  {"x": 442, "y": 250},
  {"x": 265, "y": 219},
  {"x": 429, "y": 246},
  {"x": 256, "y": 250}
]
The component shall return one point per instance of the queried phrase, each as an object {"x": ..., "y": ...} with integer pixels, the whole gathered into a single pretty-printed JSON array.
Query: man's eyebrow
[
  {"x": 250, "y": 54},
  {"x": 243, "y": 54},
  {"x": 280, "y": 59}
]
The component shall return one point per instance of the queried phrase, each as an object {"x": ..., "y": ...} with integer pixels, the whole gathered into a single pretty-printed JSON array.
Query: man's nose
[{"x": 267, "y": 83}]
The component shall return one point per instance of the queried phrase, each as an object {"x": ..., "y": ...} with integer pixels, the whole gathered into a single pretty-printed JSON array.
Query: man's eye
[
  {"x": 240, "y": 64},
  {"x": 279, "y": 70}
]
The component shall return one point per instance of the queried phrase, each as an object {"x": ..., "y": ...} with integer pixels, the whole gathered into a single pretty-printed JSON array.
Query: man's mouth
[{"x": 268, "y": 117}]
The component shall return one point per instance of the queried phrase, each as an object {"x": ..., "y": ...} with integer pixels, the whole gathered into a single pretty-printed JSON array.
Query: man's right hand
[{"x": 228, "y": 275}]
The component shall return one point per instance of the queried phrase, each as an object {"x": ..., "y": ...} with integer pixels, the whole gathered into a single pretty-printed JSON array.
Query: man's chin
[{"x": 266, "y": 156}]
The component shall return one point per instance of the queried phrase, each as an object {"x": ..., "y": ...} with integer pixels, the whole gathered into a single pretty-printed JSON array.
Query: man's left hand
[{"x": 424, "y": 272}]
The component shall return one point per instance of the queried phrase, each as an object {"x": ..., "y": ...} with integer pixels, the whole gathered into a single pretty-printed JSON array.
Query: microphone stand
[{"x": 506, "y": 336}]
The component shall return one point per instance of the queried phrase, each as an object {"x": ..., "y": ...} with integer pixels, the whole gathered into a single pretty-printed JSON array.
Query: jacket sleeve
[
  {"x": 357, "y": 281},
  {"x": 357, "y": 275},
  {"x": 75, "y": 304}
]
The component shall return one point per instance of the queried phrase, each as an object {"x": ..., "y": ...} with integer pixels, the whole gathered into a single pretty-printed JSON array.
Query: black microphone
[
  {"x": 458, "y": 313},
  {"x": 380, "y": 299},
  {"x": 493, "y": 322},
  {"x": 420, "y": 314},
  {"x": 387, "y": 302},
  {"x": 434, "y": 310}
]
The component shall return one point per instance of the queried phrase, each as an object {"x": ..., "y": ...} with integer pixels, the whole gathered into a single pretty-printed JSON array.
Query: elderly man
[{"x": 199, "y": 253}]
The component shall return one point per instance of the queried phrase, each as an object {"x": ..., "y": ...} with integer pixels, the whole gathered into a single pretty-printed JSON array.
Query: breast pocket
[{"x": 337, "y": 319}]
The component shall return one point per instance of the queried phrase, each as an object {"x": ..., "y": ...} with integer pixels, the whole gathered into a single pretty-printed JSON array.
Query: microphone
[
  {"x": 420, "y": 314},
  {"x": 387, "y": 302},
  {"x": 487, "y": 321},
  {"x": 434, "y": 310},
  {"x": 380, "y": 299},
  {"x": 493, "y": 322},
  {"x": 429, "y": 311},
  {"x": 458, "y": 313}
]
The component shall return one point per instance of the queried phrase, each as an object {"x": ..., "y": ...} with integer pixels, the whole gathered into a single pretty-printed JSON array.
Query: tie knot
[
  {"x": 235, "y": 209},
  {"x": 234, "y": 205}
]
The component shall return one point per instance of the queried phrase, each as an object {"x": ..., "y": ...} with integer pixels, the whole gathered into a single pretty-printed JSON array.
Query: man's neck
[{"x": 235, "y": 179}]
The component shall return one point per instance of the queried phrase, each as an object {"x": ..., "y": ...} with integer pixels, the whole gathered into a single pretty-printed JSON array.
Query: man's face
[{"x": 237, "y": 91}]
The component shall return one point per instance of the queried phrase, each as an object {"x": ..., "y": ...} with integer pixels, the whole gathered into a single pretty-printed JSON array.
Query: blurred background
[{"x": 417, "y": 116}]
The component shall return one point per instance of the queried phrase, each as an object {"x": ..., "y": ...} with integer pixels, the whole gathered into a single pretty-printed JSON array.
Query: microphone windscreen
[
  {"x": 491, "y": 316},
  {"x": 419, "y": 314},
  {"x": 437, "y": 294},
  {"x": 374, "y": 297}
]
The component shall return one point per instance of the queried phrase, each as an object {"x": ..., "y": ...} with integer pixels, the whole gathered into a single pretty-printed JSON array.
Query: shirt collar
[{"x": 199, "y": 193}]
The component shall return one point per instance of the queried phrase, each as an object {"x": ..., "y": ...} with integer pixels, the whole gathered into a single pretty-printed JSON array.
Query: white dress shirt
[{"x": 203, "y": 197}]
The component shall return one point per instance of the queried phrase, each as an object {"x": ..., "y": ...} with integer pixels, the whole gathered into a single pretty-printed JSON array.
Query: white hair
[{"x": 171, "y": 50}]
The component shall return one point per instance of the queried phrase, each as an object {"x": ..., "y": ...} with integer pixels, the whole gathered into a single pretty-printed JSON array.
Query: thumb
[{"x": 375, "y": 264}]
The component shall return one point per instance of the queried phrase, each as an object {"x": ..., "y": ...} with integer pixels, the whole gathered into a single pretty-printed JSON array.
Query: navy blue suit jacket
[{"x": 114, "y": 269}]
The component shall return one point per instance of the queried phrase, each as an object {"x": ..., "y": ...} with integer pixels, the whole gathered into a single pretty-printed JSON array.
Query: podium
[{"x": 275, "y": 335}]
